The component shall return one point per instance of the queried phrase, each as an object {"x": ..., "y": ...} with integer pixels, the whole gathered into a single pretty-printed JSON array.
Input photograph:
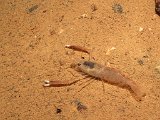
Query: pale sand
[{"x": 32, "y": 50}]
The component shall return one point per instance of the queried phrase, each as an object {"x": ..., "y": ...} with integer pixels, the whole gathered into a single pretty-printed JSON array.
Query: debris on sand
[
  {"x": 140, "y": 29},
  {"x": 84, "y": 16},
  {"x": 31, "y": 9},
  {"x": 58, "y": 110},
  {"x": 157, "y": 7},
  {"x": 117, "y": 8},
  {"x": 93, "y": 7},
  {"x": 79, "y": 105},
  {"x": 141, "y": 62},
  {"x": 109, "y": 50},
  {"x": 52, "y": 32}
]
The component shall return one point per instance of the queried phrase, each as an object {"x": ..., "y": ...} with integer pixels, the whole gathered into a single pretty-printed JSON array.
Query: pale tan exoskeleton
[
  {"x": 78, "y": 48},
  {"x": 109, "y": 75},
  {"x": 104, "y": 73}
]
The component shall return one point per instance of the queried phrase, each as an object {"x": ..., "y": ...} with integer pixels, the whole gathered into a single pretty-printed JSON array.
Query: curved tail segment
[{"x": 135, "y": 91}]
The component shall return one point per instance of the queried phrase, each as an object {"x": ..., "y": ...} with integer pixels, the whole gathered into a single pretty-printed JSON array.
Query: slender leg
[
  {"x": 86, "y": 84},
  {"x": 85, "y": 81}
]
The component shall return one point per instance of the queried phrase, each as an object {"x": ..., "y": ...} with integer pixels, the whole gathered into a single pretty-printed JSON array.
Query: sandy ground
[{"x": 33, "y": 34}]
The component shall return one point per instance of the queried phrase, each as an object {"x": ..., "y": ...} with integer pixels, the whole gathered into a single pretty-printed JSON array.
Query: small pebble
[
  {"x": 140, "y": 29},
  {"x": 117, "y": 8},
  {"x": 140, "y": 62},
  {"x": 83, "y": 16},
  {"x": 157, "y": 69},
  {"x": 145, "y": 56},
  {"x": 61, "y": 31}
]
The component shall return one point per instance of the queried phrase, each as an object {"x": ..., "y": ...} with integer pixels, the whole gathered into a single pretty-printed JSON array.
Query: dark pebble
[
  {"x": 145, "y": 56},
  {"x": 58, "y": 110},
  {"x": 140, "y": 62},
  {"x": 33, "y": 8},
  {"x": 80, "y": 106},
  {"x": 157, "y": 8}
]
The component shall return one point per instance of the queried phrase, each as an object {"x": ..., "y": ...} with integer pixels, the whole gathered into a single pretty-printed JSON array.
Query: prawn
[{"x": 107, "y": 74}]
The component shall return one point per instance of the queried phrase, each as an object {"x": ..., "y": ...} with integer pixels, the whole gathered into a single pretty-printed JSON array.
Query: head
[{"x": 83, "y": 65}]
